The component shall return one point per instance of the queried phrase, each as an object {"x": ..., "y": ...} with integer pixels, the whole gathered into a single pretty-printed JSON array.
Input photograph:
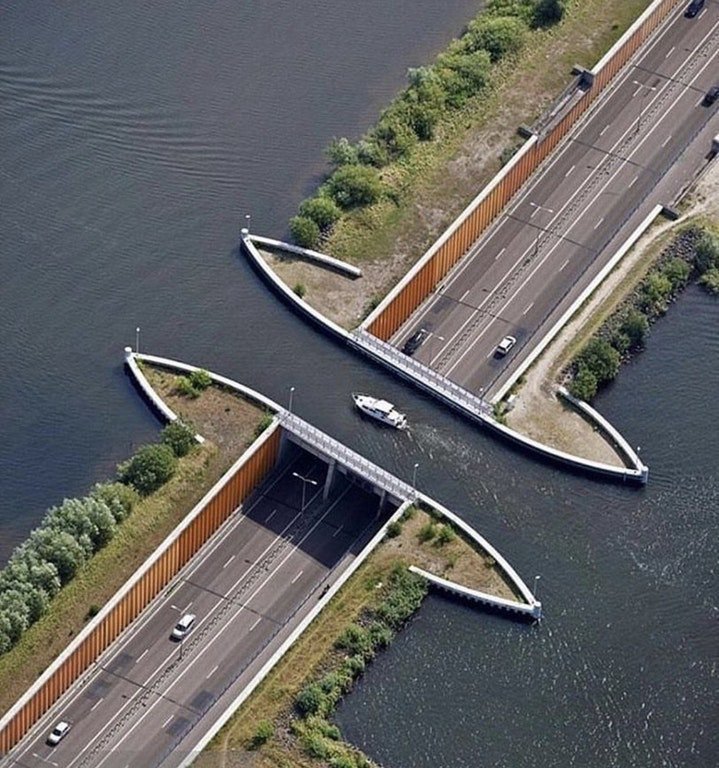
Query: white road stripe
[
  {"x": 604, "y": 130},
  {"x": 465, "y": 294},
  {"x": 259, "y": 619},
  {"x": 296, "y": 577},
  {"x": 528, "y": 308},
  {"x": 569, "y": 171},
  {"x": 141, "y": 655},
  {"x": 599, "y": 223},
  {"x": 212, "y": 671},
  {"x": 496, "y": 258},
  {"x": 667, "y": 140},
  {"x": 670, "y": 51},
  {"x": 633, "y": 182},
  {"x": 229, "y": 560},
  {"x": 270, "y": 516},
  {"x": 167, "y": 721},
  {"x": 96, "y": 705},
  {"x": 337, "y": 531},
  {"x": 564, "y": 265}
]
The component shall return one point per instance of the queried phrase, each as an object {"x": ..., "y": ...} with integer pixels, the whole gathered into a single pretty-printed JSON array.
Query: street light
[
  {"x": 247, "y": 222},
  {"x": 536, "y": 581},
  {"x": 292, "y": 392},
  {"x": 537, "y": 207},
  {"x": 305, "y": 480},
  {"x": 414, "y": 477},
  {"x": 137, "y": 340},
  {"x": 645, "y": 93}
]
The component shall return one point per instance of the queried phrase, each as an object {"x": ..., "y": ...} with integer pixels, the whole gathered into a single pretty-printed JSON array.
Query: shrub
[
  {"x": 304, "y": 231},
  {"x": 655, "y": 292},
  {"x": 380, "y": 635},
  {"x": 370, "y": 152},
  {"x": 89, "y": 520},
  {"x": 406, "y": 593},
  {"x": 322, "y": 210},
  {"x": 26, "y": 566},
  {"x": 677, "y": 271},
  {"x": 600, "y": 357},
  {"x": 354, "y": 185},
  {"x": 264, "y": 732},
  {"x": 500, "y": 36},
  {"x": 355, "y": 640},
  {"x": 200, "y": 380},
  {"x": 446, "y": 535},
  {"x": 311, "y": 700},
  {"x": 394, "y": 529},
  {"x": 179, "y": 436},
  {"x": 92, "y": 611},
  {"x": 635, "y": 327},
  {"x": 584, "y": 385},
  {"x": 548, "y": 12},
  {"x": 463, "y": 74},
  {"x": 316, "y": 746},
  {"x": 341, "y": 152},
  {"x": 149, "y": 469},
  {"x": 264, "y": 422},
  {"x": 393, "y": 135},
  {"x": 59, "y": 548},
  {"x": 300, "y": 289},
  {"x": 706, "y": 254},
  {"x": 710, "y": 280},
  {"x": 120, "y": 498},
  {"x": 427, "y": 532},
  {"x": 185, "y": 388}
]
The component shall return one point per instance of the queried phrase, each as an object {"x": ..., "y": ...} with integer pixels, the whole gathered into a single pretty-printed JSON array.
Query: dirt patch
[{"x": 219, "y": 415}]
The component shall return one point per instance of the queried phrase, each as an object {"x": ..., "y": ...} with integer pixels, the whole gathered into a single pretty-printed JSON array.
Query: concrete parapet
[{"x": 307, "y": 253}]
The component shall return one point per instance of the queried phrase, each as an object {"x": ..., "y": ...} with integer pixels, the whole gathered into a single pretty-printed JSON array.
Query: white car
[
  {"x": 505, "y": 345},
  {"x": 183, "y": 626},
  {"x": 58, "y": 733}
]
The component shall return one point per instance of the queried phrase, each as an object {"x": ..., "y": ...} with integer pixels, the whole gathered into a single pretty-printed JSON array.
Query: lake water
[{"x": 135, "y": 137}]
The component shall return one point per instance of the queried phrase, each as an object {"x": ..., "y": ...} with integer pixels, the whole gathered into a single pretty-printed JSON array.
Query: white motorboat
[{"x": 380, "y": 410}]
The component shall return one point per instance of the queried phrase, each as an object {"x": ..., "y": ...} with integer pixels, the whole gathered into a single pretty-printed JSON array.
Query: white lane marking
[
  {"x": 96, "y": 705},
  {"x": 633, "y": 182},
  {"x": 296, "y": 577},
  {"x": 534, "y": 212},
  {"x": 599, "y": 223},
  {"x": 604, "y": 130},
  {"x": 259, "y": 619},
  {"x": 270, "y": 516},
  {"x": 638, "y": 88},
  {"x": 141, "y": 655},
  {"x": 44, "y": 759},
  {"x": 464, "y": 295},
  {"x": 496, "y": 258},
  {"x": 167, "y": 721},
  {"x": 337, "y": 531},
  {"x": 670, "y": 51},
  {"x": 229, "y": 560},
  {"x": 569, "y": 171},
  {"x": 212, "y": 671},
  {"x": 528, "y": 308},
  {"x": 667, "y": 140},
  {"x": 564, "y": 265}
]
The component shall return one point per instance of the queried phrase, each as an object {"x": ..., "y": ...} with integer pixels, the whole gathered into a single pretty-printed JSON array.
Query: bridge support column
[
  {"x": 382, "y": 501},
  {"x": 329, "y": 478}
]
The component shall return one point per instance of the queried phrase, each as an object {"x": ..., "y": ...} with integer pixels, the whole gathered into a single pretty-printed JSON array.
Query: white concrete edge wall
[
  {"x": 292, "y": 638},
  {"x": 473, "y": 534},
  {"x": 130, "y": 583},
  {"x": 630, "y": 31},
  {"x": 286, "y": 291},
  {"x": 167, "y": 412},
  {"x": 586, "y": 293},
  {"x": 308, "y": 253},
  {"x": 474, "y": 594},
  {"x": 597, "y": 417},
  {"x": 518, "y": 155}
]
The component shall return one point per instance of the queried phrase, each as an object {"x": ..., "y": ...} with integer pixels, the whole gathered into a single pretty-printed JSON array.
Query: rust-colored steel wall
[
  {"x": 157, "y": 576},
  {"x": 489, "y": 207}
]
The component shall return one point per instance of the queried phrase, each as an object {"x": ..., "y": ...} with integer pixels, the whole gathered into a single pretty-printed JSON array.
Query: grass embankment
[
  {"x": 151, "y": 520},
  {"x": 271, "y": 730},
  {"x": 431, "y": 185}
]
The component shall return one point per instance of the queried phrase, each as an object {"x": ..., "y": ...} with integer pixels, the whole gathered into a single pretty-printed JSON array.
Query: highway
[
  {"x": 141, "y": 703},
  {"x": 640, "y": 144}
]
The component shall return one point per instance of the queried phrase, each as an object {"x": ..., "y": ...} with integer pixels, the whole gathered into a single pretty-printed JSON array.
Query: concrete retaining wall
[{"x": 307, "y": 253}]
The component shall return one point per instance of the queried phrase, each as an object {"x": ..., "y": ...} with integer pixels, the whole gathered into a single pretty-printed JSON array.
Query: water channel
[{"x": 134, "y": 138}]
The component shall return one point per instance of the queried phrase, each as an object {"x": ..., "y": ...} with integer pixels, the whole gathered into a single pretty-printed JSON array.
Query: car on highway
[
  {"x": 505, "y": 345},
  {"x": 415, "y": 341},
  {"x": 58, "y": 733},
  {"x": 693, "y": 8},
  {"x": 183, "y": 626},
  {"x": 711, "y": 95}
]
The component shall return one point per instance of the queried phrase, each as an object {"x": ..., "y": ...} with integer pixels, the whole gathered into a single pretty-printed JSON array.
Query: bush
[
  {"x": 120, "y": 498},
  {"x": 304, "y": 231},
  {"x": 706, "y": 255},
  {"x": 264, "y": 422},
  {"x": 600, "y": 357},
  {"x": 406, "y": 593},
  {"x": 149, "y": 469},
  {"x": 311, "y": 700},
  {"x": 463, "y": 74},
  {"x": 300, "y": 290},
  {"x": 264, "y": 732},
  {"x": 446, "y": 535},
  {"x": 584, "y": 385},
  {"x": 89, "y": 520},
  {"x": 710, "y": 280},
  {"x": 322, "y": 210},
  {"x": 355, "y": 640},
  {"x": 179, "y": 437},
  {"x": 427, "y": 532},
  {"x": 380, "y": 635},
  {"x": 500, "y": 36},
  {"x": 394, "y": 529},
  {"x": 393, "y": 134},
  {"x": 341, "y": 152},
  {"x": 59, "y": 548},
  {"x": 635, "y": 327},
  {"x": 200, "y": 380},
  {"x": 677, "y": 271},
  {"x": 370, "y": 152},
  {"x": 548, "y": 12},
  {"x": 354, "y": 185},
  {"x": 185, "y": 388},
  {"x": 655, "y": 292}
]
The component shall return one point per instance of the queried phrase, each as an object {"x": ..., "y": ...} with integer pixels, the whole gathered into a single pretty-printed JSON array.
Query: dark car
[
  {"x": 711, "y": 95},
  {"x": 693, "y": 8},
  {"x": 415, "y": 341}
]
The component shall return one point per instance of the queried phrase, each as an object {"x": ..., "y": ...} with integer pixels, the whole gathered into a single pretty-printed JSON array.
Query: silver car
[
  {"x": 58, "y": 733},
  {"x": 505, "y": 345},
  {"x": 183, "y": 626}
]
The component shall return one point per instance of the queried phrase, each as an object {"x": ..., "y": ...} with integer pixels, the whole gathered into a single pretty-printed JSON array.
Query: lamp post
[
  {"x": 292, "y": 392},
  {"x": 645, "y": 89},
  {"x": 137, "y": 340},
  {"x": 305, "y": 481},
  {"x": 247, "y": 222},
  {"x": 537, "y": 207},
  {"x": 536, "y": 581},
  {"x": 414, "y": 477}
]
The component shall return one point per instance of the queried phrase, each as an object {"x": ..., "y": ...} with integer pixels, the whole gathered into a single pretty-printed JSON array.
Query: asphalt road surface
[
  {"x": 250, "y": 584},
  {"x": 640, "y": 145}
]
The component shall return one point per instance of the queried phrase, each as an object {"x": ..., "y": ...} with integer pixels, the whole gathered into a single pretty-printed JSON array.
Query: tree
[
  {"x": 353, "y": 185},
  {"x": 149, "y": 469},
  {"x": 180, "y": 437},
  {"x": 600, "y": 357},
  {"x": 322, "y": 210},
  {"x": 463, "y": 74},
  {"x": 710, "y": 280},
  {"x": 341, "y": 152},
  {"x": 89, "y": 520},
  {"x": 120, "y": 498},
  {"x": 706, "y": 255},
  {"x": 636, "y": 327},
  {"x": 548, "y": 12},
  {"x": 304, "y": 231},
  {"x": 59, "y": 548}
]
